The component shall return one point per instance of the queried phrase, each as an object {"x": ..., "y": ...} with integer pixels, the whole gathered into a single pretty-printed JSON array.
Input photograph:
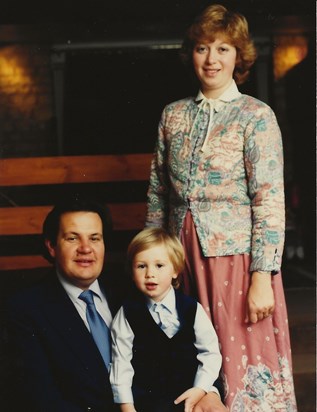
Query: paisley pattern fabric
[
  {"x": 233, "y": 187},
  {"x": 256, "y": 358}
]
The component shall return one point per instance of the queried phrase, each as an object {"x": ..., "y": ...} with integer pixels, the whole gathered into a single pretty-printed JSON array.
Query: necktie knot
[
  {"x": 87, "y": 296},
  {"x": 159, "y": 309},
  {"x": 166, "y": 320}
]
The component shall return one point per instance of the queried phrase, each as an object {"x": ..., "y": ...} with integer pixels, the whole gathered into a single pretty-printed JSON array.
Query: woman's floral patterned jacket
[{"x": 230, "y": 178}]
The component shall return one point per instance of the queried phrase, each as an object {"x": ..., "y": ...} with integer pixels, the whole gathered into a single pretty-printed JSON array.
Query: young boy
[{"x": 165, "y": 350}]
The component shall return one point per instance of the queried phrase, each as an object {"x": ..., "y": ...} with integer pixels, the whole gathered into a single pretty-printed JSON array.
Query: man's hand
[
  {"x": 191, "y": 397},
  {"x": 127, "y": 407},
  {"x": 211, "y": 402}
]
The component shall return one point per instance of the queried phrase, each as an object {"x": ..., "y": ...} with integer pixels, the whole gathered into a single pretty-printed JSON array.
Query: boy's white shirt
[{"x": 206, "y": 342}]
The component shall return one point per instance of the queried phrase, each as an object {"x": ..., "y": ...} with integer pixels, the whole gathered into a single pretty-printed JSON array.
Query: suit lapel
[{"x": 65, "y": 319}]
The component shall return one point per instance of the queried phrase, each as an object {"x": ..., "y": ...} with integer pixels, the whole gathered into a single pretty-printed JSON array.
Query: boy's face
[
  {"x": 153, "y": 272},
  {"x": 79, "y": 251}
]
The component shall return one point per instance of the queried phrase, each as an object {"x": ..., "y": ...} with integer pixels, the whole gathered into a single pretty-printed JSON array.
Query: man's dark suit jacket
[{"x": 57, "y": 364}]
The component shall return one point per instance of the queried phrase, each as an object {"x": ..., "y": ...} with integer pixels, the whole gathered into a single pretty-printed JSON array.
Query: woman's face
[{"x": 214, "y": 64}]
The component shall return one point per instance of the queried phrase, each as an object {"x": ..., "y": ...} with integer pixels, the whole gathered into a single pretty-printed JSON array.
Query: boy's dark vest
[{"x": 163, "y": 367}]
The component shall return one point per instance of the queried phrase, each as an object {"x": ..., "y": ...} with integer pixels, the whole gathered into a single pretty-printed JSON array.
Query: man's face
[{"x": 79, "y": 251}]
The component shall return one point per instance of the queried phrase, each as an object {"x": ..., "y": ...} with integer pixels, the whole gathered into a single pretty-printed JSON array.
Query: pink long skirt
[{"x": 257, "y": 365}]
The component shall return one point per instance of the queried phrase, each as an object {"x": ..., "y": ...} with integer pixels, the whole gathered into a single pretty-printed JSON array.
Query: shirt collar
[
  {"x": 228, "y": 95},
  {"x": 74, "y": 291},
  {"x": 169, "y": 302}
]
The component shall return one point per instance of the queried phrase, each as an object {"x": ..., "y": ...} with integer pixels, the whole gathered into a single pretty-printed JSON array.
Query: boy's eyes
[{"x": 143, "y": 265}]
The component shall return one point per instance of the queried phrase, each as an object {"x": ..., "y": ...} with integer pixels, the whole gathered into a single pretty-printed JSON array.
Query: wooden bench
[{"x": 31, "y": 179}]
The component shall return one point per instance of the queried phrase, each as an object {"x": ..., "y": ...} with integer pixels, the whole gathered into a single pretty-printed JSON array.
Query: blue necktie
[
  {"x": 167, "y": 321},
  {"x": 159, "y": 310},
  {"x": 98, "y": 328}
]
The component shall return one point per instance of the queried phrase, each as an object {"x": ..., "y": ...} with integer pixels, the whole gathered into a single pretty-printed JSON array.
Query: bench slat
[
  {"x": 23, "y": 262},
  {"x": 38, "y": 261},
  {"x": 28, "y": 220},
  {"x": 74, "y": 169}
]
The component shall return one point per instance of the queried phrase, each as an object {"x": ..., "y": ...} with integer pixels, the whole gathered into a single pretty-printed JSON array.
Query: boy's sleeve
[
  {"x": 209, "y": 355},
  {"x": 121, "y": 371}
]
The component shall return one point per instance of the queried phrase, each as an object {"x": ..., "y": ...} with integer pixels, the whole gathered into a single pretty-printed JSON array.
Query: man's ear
[{"x": 50, "y": 248}]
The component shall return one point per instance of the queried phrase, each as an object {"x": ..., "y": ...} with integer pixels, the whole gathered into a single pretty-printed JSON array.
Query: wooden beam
[
  {"x": 37, "y": 261},
  {"x": 74, "y": 169},
  {"x": 29, "y": 220},
  {"x": 23, "y": 262}
]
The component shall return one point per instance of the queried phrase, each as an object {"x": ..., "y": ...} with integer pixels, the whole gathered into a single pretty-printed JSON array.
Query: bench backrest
[{"x": 120, "y": 179}]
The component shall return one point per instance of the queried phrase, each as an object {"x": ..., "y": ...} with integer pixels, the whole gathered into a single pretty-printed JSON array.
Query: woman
[{"x": 217, "y": 181}]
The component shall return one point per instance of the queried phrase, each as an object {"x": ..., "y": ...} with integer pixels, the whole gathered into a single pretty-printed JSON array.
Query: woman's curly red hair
[{"x": 216, "y": 20}]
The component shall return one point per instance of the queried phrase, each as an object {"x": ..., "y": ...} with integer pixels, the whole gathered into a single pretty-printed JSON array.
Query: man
[{"x": 59, "y": 365}]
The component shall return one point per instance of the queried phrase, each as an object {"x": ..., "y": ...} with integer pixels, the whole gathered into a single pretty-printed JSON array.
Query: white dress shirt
[
  {"x": 99, "y": 299},
  {"x": 206, "y": 343}
]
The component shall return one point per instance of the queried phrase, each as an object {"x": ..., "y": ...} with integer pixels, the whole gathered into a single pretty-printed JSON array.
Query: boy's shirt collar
[{"x": 169, "y": 301}]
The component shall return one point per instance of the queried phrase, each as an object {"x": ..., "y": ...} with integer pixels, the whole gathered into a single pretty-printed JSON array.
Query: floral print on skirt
[{"x": 257, "y": 364}]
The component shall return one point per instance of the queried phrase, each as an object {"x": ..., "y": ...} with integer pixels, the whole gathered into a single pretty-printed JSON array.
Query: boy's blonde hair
[
  {"x": 217, "y": 20},
  {"x": 154, "y": 236}
]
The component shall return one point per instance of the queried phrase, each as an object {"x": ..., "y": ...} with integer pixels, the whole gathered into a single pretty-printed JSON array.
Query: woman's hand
[
  {"x": 260, "y": 300},
  {"x": 211, "y": 402}
]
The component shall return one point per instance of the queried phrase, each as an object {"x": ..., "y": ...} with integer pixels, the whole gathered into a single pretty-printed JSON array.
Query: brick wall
[{"x": 26, "y": 101}]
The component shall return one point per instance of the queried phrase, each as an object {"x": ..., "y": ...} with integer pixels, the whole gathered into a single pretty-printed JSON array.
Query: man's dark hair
[{"x": 74, "y": 203}]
